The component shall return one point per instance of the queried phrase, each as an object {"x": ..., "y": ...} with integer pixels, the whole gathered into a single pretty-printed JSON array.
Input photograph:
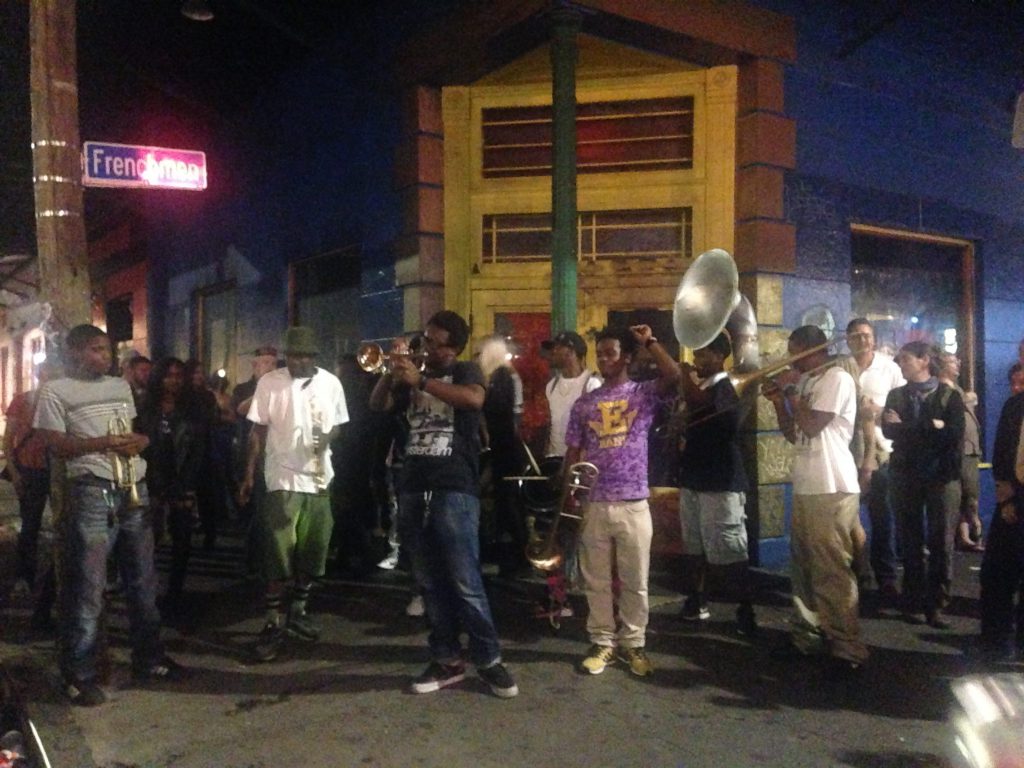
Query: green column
[{"x": 565, "y": 24}]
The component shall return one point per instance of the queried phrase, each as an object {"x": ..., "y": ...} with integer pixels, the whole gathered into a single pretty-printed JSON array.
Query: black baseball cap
[{"x": 567, "y": 339}]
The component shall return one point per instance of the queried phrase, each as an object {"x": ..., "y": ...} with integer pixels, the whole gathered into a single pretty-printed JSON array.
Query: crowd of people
[{"x": 160, "y": 454}]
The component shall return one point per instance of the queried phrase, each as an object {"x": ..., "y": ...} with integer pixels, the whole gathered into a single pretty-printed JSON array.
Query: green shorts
[{"x": 296, "y": 533}]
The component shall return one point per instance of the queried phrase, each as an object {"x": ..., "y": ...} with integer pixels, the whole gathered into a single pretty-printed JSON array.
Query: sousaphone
[{"x": 705, "y": 299}]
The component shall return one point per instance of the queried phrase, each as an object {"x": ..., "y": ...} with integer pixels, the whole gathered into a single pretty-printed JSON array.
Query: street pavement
[{"x": 715, "y": 700}]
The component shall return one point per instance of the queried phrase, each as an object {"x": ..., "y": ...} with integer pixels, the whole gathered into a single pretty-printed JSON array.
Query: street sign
[{"x": 124, "y": 165}]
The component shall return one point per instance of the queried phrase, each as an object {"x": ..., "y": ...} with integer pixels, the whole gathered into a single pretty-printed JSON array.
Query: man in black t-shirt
[
  {"x": 713, "y": 482},
  {"x": 439, "y": 504}
]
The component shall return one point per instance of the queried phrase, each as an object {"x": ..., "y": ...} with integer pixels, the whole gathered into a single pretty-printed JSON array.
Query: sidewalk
[{"x": 715, "y": 700}]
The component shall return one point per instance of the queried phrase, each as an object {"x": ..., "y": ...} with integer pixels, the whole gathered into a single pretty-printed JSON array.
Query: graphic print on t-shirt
[
  {"x": 431, "y": 425},
  {"x": 613, "y": 428}
]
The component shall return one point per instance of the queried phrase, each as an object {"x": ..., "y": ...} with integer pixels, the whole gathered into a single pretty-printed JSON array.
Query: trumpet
[
  {"x": 126, "y": 473},
  {"x": 544, "y": 551},
  {"x": 316, "y": 418},
  {"x": 373, "y": 359}
]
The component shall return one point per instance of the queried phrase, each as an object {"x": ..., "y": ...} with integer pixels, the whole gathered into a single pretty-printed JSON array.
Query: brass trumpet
[
  {"x": 126, "y": 474},
  {"x": 373, "y": 359},
  {"x": 544, "y": 551},
  {"x": 316, "y": 419}
]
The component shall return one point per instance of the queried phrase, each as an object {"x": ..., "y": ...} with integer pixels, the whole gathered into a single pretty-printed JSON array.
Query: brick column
[
  {"x": 765, "y": 250},
  {"x": 419, "y": 178}
]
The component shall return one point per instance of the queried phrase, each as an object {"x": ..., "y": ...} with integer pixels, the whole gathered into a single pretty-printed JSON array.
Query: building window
[
  {"x": 120, "y": 320},
  {"x": 656, "y": 233},
  {"x": 324, "y": 293},
  {"x": 611, "y": 136}
]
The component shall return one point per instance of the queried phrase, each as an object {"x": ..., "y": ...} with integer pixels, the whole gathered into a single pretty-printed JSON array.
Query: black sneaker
[
  {"x": 500, "y": 681},
  {"x": 437, "y": 676},
  {"x": 167, "y": 670},
  {"x": 83, "y": 693},
  {"x": 269, "y": 643},
  {"x": 694, "y": 610},
  {"x": 837, "y": 670},
  {"x": 746, "y": 624},
  {"x": 302, "y": 626}
]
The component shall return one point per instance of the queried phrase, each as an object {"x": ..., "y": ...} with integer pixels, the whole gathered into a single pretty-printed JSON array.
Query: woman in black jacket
[
  {"x": 925, "y": 421},
  {"x": 177, "y": 439}
]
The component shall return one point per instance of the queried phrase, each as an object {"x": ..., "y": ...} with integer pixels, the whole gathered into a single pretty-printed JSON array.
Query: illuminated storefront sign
[{"x": 123, "y": 165}]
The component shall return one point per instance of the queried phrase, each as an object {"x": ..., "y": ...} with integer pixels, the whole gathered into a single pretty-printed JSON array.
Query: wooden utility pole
[
  {"x": 56, "y": 163},
  {"x": 60, "y": 227}
]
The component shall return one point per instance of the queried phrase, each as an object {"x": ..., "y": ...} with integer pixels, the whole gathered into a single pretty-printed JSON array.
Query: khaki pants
[
  {"x": 616, "y": 533},
  {"x": 824, "y": 584}
]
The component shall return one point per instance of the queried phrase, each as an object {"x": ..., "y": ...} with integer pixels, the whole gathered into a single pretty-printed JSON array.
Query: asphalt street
[{"x": 715, "y": 699}]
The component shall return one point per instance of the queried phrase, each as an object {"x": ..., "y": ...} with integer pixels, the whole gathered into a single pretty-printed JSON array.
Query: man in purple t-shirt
[{"x": 608, "y": 427}]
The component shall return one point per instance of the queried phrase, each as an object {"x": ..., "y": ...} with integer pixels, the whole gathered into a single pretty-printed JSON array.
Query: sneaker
[
  {"x": 837, "y": 670},
  {"x": 415, "y": 606},
  {"x": 599, "y": 657},
  {"x": 302, "y": 626},
  {"x": 167, "y": 670},
  {"x": 638, "y": 662},
  {"x": 746, "y": 624},
  {"x": 500, "y": 681},
  {"x": 437, "y": 676},
  {"x": 269, "y": 643},
  {"x": 693, "y": 610},
  {"x": 84, "y": 693}
]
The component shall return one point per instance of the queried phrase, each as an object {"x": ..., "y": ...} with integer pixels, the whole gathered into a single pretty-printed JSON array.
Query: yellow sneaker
[
  {"x": 638, "y": 662},
  {"x": 599, "y": 657}
]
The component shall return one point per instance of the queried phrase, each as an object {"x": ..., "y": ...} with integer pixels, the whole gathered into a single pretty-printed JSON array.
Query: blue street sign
[{"x": 123, "y": 165}]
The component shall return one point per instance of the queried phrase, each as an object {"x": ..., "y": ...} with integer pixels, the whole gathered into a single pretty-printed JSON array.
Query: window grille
[
  {"x": 651, "y": 234},
  {"x": 611, "y": 137}
]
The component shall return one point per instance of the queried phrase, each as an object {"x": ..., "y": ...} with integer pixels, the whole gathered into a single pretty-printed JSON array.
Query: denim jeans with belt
[
  {"x": 99, "y": 523},
  {"x": 440, "y": 530}
]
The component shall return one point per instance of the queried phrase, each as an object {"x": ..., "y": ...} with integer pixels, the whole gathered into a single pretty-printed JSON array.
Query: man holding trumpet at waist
[
  {"x": 297, "y": 411},
  {"x": 86, "y": 419},
  {"x": 816, "y": 405}
]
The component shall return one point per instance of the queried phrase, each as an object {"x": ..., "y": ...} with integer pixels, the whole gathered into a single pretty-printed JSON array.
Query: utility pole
[
  {"x": 56, "y": 163},
  {"x": 60, "y": 227}
]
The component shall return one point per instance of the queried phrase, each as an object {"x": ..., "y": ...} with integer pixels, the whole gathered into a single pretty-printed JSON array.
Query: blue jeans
[
  {"x": 440, "y": 530},
  {"x": 98, "y": 523},
  {"x": 884, "y": 558},
  {"x": 31, "y": 504}
]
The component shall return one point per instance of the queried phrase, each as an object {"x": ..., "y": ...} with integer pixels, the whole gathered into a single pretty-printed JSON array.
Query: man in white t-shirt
[
  {"x": 879, "y": 374},
  {"x": 571, "y": 379},
  {"x": 818, "y": 415},
  {"x": 297, "y": 411}
]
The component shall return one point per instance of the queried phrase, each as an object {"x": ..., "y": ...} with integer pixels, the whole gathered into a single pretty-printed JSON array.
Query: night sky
[{"x": 147, "y": 75}]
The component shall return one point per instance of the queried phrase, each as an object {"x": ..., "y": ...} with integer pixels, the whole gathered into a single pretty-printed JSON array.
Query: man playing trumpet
[
  {"x": 817, "y": 413},
  {"x": 79, "y": 417},
  {"x": 608, "y": 428}
]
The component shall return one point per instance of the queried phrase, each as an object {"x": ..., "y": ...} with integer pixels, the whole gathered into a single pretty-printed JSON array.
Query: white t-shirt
[
  {"x": 881, "y": 376},
  {"x": 824, "y": 464},
  {"x": 562, "y": 392},
  {"x": 287, "y": 407}
]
